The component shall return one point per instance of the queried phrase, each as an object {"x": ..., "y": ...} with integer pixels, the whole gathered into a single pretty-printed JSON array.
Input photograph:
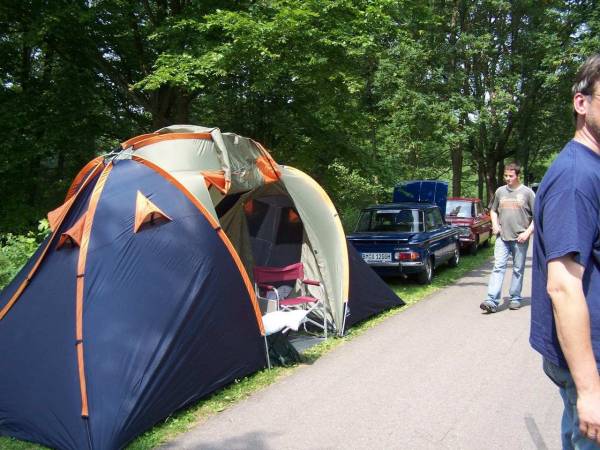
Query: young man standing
[
  {"x": 512, "y": 214},
  {"x": 565, "y": 312}
]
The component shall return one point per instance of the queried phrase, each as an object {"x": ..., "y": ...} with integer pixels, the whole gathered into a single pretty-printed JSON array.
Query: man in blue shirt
[{"x": 565, "y": 309}]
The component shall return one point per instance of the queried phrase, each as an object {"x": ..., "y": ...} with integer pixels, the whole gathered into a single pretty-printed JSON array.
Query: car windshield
[
  {"x": 458, "y": 208},
  {"x": 399, "y": 220}
]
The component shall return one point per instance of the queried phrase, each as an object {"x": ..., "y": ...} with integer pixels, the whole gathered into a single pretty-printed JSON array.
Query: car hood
[{"x": 422, "y": 191}]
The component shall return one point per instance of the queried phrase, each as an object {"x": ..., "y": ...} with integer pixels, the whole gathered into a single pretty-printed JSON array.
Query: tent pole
[
  {"x": 343, "y": 328},
  {"x": 325, "y": 320},
  {"x": 267, "y": 352}
]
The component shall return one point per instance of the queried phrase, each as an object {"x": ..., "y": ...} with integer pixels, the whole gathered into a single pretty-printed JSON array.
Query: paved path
[{"x": 439, "y": 375}]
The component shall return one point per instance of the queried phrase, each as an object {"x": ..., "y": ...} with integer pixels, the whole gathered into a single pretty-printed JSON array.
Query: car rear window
[
  {"x": 398, "y": 220},
  {"x": 459, "y": 208}
]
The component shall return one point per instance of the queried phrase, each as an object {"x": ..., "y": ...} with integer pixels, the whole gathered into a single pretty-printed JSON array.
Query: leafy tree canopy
[{"x": 360, "y": 94}]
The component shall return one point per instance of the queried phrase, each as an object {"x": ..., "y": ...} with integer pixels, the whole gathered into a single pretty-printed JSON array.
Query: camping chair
[{"x": 263, "y": 276}]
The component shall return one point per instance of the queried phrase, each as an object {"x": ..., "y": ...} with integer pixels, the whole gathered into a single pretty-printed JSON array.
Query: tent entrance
[
  {"x": 267, "y": 230},
  {"x": 275, "y": 229}
]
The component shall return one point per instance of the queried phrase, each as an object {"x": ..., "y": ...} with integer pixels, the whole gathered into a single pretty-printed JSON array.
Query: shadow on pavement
[
  {"x": 255, "y": 440},
  {"x": 535, "y": 434}
]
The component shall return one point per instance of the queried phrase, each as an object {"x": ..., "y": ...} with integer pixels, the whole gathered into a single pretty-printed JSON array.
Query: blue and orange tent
[{"x": 140, "y": 302}]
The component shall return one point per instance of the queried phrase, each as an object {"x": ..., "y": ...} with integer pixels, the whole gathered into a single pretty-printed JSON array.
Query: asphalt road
[{"x": 439, "y": 375}]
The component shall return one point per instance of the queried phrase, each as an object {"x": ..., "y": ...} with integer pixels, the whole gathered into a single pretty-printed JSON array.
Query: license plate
[{"x": 376, "y": 257}]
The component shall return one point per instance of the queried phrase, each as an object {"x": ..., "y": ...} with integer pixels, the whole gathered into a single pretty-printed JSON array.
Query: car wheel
[
  {"x": 453, "y": 262},
  {"x": 475, "y": 246},
  {"x": 426, "y": 275}
]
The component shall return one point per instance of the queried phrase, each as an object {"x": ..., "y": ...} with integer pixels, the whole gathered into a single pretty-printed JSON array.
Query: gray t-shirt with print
[{"x": 514, "y": 209}]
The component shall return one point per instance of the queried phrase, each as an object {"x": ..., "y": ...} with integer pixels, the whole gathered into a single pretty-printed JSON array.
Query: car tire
[
  {"x": 454, "y": 260},
  {"x": 474, "y": 246},
  {"x": 426, "y": 275}
]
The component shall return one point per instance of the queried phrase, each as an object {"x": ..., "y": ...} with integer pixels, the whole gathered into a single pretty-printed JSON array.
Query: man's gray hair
[{"x": 587, "y": 76}]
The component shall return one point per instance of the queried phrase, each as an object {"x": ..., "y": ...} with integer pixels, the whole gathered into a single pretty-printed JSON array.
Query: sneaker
[
  {"x": 489, "y": 306},
  {"x": 514, "y": 304}
]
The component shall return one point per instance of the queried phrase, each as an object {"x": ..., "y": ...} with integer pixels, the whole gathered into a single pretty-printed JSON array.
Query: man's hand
[
  {"x": 588, "y": 410},
  {"x": 522, "y": 237},
  {"x": 496, "y": 230}
]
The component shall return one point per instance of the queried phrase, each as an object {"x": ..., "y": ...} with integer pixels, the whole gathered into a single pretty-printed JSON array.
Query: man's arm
[
  {"x": 495, "y": 224},
  {"x": 573, "y": 328},
  {"x": 522, "y": 237}
]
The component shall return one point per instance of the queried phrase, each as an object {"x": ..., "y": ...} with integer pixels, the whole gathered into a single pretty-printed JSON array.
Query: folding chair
[{"x": 278, "y": 276}]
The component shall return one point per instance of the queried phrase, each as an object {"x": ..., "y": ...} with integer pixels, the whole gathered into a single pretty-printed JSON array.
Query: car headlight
[{"x": 464, "y": 231}]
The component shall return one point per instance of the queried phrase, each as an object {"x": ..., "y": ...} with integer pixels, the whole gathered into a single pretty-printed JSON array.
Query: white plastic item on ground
[{"x": 278, "y": 320}]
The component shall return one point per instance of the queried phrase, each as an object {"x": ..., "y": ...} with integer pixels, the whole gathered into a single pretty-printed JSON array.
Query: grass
[{"x": 182, "y": 421}]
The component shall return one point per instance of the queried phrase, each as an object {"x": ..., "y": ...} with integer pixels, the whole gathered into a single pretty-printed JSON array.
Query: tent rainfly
[{"x": 140, "y": 302}]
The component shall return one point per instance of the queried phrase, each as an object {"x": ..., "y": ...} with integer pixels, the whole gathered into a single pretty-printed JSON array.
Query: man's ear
[{"x": 580, "y": 103}]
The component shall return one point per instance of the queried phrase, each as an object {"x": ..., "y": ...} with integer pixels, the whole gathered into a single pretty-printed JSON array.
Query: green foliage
[
  {"x": 15, "y": 250},
  {"x": 353, "y": 191},
  {"x": 487, "y": 81},
  {"x": 288, "y": 73},
  {"x": 14, "y": 253},
  {"x": 43, "y": 229},
  {"x": 390, "y": 90},
  {"x": 56, "y": 111},
  {"x": 7, "y": 443}
]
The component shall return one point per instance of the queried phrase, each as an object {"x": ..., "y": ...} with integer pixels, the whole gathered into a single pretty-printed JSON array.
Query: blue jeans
[
  {"x": 502, "y": 250},
  {"x": 570, "y": 435}
]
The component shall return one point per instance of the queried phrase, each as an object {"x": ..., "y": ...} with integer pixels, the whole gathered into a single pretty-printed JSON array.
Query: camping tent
[{"x": 140, "y": 302}]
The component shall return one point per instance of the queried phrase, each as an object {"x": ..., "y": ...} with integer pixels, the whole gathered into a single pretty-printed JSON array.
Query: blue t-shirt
[{"x": 566, "y": 218}]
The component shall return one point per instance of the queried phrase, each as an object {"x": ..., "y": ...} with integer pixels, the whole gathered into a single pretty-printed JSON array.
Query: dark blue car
[{"x": 408, "y": 237}]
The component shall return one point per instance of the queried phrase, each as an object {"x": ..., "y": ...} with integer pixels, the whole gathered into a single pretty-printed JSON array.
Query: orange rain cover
[
  {"x": 268, "y": 168},
  {"x": 55, "y": 216},
  {"x": 215, "y": 178},
  {"x": 72, "y": 235},
  {"x": 146, "y": 212}
]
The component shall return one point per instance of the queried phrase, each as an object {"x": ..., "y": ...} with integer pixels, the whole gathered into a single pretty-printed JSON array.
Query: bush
[
  {"x": 351, "y": 191},
  {"x": 15, "y": 250}
]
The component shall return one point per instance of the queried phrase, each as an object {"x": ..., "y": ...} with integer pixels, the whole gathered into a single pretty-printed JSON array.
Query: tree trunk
[
  {"x": 480, "y": 183},
  {"x": 457, "y": 163},
  {"x": 170, "y": 105},
  {"x": 500, "y": 174},
  {"x": 490, "y": 178}
]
